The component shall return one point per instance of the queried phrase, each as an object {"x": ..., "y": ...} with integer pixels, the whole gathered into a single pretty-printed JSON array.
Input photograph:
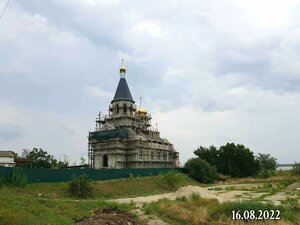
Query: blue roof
[{"x": 123, "y": 92}]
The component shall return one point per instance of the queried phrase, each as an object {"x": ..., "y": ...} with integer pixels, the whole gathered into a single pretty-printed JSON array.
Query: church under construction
[{"x": 125, "y": 138}]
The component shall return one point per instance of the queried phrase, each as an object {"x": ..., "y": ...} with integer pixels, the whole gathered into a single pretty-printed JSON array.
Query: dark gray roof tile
[{"x": 123, "y": 92}]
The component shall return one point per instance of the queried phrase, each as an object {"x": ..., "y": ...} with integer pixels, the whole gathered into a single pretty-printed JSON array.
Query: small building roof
[
  {"x": 7, "y": 153},
  {"x": 123, "y": 92}
]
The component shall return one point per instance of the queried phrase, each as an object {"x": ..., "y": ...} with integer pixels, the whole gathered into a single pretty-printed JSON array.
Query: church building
[{"x": 125, "y": 137}]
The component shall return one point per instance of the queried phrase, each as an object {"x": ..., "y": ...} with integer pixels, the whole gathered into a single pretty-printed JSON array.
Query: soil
[{"x": 108, "y": 216}]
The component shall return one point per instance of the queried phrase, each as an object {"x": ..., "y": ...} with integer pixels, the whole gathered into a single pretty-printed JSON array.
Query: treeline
[
  {"x": 39, "y": 158},
  {"x": 229, "y": 160}
]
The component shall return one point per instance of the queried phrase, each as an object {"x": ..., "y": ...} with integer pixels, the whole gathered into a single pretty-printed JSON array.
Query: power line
[{"x": 5, "y": 7}]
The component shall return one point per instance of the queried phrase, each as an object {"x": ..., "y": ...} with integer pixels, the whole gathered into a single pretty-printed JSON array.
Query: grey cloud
[{"x": 10, "y": 131}]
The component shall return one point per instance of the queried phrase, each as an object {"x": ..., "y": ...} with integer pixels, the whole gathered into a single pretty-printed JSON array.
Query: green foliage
[
  {"x": 16, "y": 178},
  {"x": 41, "y": 159},
  {"x": 173, "y": 179},
  {"x": 266, "y": 162},
  {"x": 265, "y": 173},
  {"x": 209, "y": 154},
  {"x": 230, "y": 159},
  {"x": 201, "y": 171},
  {"x": 296, "y": 168},
  {"x": 292, "y": 203},
  {"x": 237, "y": 161},
  {"x": 195, "y": 196},
  {"x": 80, "y": 187}
]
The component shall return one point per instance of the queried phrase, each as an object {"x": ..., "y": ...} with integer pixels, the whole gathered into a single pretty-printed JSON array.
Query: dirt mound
[
  {"x": 293, "y": 187},
  {"x": 189, "y": 190},
  {"x": 108, "y": 216}
]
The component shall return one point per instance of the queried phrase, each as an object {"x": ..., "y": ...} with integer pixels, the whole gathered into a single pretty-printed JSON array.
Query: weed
[
  {"x": 296, "y": 168},
  {"x": 80, "y": 187},
  {"x": 217, "y": 189},
  {"x": 230, "y": 188},
  {"x": 292, "y": 203},
  {"x": 195, "y": 196},
  {"x": 173, "y": 179},
  {"x": 182, "y": 199},
  {"x": 16, "y": 178}
]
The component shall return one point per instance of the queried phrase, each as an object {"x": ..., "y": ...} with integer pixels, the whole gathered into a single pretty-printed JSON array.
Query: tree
[
  {"x": 237, "y": 161},
  {"x": 296, "y": 168},
  {"x": 41, "y": 159},
  {"x": 266, "y": 162},
  {"x": 230, "y": 159},
  {"x": 209, "y": 154},
  {"x": 201, "y": 171}
]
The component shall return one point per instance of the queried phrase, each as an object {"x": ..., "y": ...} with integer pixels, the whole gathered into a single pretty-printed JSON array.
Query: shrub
[
  {"x": 80, "y": 187},
  {"x": 265, "y": 173},
  {"x": 292, "y": 203},
  {"x": 296, "y": 168},
  {"x": 16, "y": 178},
  {"x": 201, "y": 171},
  {"x": 173, "y": 179}
]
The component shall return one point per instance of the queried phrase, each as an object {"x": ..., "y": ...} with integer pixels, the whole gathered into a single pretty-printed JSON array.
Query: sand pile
[{"x": 187, "y": 191}]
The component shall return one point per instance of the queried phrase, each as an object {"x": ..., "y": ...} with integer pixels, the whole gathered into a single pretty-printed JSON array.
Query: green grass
[
  {"x": 206, "y": 211},
  {"x": 50, "y": 203},
  {"x": 27, "y": 210},
  {"x": 140, "y": 186}
]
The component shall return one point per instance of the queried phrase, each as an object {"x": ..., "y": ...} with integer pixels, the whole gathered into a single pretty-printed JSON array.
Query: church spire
[{"x": 123, "y": 92}]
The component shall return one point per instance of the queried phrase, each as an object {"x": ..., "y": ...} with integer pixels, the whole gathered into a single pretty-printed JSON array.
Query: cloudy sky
[{"x": 210, "y": 71}]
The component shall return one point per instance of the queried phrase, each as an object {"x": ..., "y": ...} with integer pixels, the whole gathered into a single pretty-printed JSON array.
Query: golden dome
[
  {"x": 122, "y": 69},
  {"x": 141, "y": 109}
]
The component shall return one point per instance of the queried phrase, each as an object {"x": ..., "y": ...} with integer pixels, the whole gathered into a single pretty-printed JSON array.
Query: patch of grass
[
  {"x": 27, "y": 210},
  {"x": 173, "y": 179},
  {"x": 51, "y": 203},
  {"x": 140, "y": 186},
  {"x": 217, "y": 189},
  {"x": 15, "y": 178},
  {"x": 210, "y": 211},
  {"x": 292, "y": 203},
  {"x": 256, "y": 206},
  {"x": 276, "y": 178},
  {"x": 80, "y": 187},
  {"x": 195, "y": 196},
  {"x": 181, "y": 212},
  {"x": 230, "y": 188}
]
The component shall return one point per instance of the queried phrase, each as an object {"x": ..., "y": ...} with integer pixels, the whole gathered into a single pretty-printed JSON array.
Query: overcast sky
[{"x": 210, "y": 72}]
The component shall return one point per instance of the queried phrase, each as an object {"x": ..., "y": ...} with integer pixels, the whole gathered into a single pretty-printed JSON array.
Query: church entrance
[{"x": 105, "y": 161}]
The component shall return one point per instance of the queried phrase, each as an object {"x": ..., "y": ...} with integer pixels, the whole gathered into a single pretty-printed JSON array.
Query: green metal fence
[{"x": 60, "y": 175}]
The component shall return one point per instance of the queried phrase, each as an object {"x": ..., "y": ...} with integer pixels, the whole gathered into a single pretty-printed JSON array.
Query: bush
[
  {"x": 15, "y": 178},
  {"x": 201, "y": 171},
  {"x": 80, "y": 187},
  {"x": 265, "y": 173},
  {"x": 173, "y": 179},
  {"x": 296, "y": 168}
]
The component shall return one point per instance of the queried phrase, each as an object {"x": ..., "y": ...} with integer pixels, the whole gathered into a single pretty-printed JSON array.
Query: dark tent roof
[{"x": 123, "y": 92}]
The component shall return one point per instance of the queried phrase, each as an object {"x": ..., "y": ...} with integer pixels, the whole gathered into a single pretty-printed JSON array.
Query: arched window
[
  {"x": 117, "y": 106},
  {"x": 105, "y": 161},
  {"x": 124, "y": 108},
  {"x": 130, "y": 109}
]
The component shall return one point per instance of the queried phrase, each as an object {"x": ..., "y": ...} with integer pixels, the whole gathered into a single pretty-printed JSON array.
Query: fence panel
[{"x": 61, "y": 175}]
